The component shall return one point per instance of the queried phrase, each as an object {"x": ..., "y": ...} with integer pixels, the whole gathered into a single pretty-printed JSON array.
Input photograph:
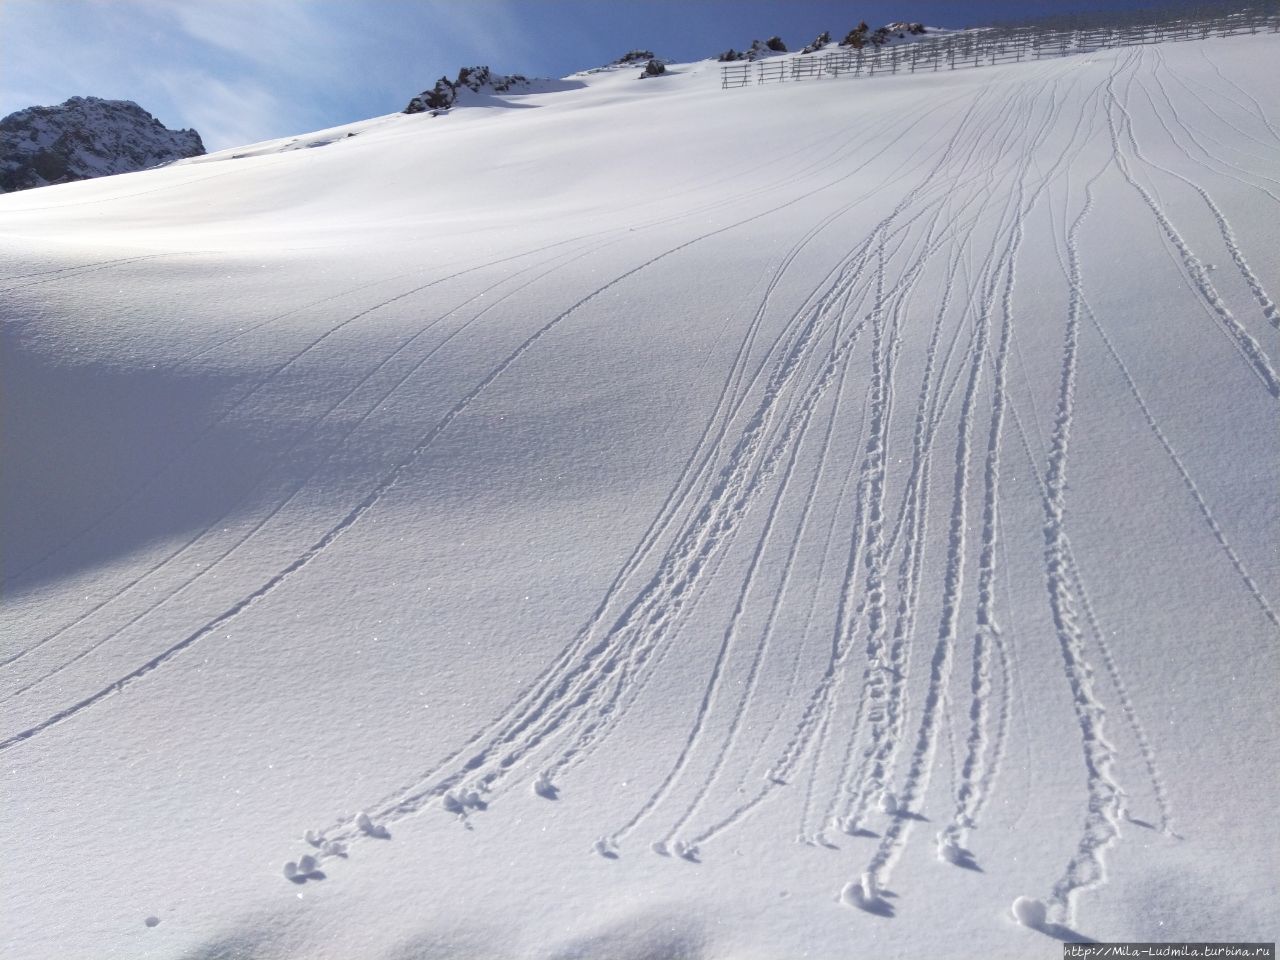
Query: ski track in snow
[
  {"x": 174, "y": 556},
  {"x": 1196, "y": 274},
  {"x": 852, "y": 418}
]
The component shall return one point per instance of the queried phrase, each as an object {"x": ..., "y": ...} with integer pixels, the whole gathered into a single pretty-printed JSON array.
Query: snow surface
[{"x": 586, "y": 529}]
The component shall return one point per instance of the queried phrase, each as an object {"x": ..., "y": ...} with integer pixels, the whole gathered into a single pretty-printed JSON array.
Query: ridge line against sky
[{"x": 240, "y": 71}]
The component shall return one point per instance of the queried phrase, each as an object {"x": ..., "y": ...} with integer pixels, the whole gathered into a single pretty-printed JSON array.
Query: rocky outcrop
[
  {"x": 476, "y": 79},
  {"x": 758, "y": 49},
  {"x": 820, "y": 41},
  {"x": 83, "y": 138},
  {"x": 633, "y": 56}
]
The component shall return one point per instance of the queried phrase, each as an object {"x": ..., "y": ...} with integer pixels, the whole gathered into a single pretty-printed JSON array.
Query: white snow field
[{"x": 643, "y": 520}]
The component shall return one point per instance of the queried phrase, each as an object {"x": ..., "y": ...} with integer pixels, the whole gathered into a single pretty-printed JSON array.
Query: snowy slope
[{"x": 658, "y": 509}]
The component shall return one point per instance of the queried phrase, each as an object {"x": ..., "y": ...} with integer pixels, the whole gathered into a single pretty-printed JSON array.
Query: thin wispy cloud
[{"x": 225, "y": 111}]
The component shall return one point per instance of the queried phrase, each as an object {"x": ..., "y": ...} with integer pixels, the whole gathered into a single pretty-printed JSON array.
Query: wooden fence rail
[{"x": 1059, "y": 37}]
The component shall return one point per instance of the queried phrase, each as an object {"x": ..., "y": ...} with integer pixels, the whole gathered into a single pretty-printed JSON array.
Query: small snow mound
[
  {"x": 543, "y": 787},
  {"x": 461, "y": 802},
  {"x": 948, "y": 850},
  {"x": 863, "y": 893},
  {"x": 605, "y": 848},
  {"x": 660, "y": 848},
  {"x": 687, "y": 851},
  {"x": 1029, "y": 912},
  {"x": 314, "y": 837},
  {"x": 888, "y": 803},
  {"x": 306, "y": 868},
  {"x": 365, "y": 824},
  {"x": 334, "y": 848}
]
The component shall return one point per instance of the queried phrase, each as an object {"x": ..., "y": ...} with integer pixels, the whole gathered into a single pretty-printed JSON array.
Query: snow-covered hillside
[
  {"x": 647, "y": 520},
  {"x": 86, "y": 137}
]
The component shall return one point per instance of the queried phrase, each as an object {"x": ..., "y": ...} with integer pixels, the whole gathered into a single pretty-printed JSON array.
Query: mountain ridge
[{"x": 83, "y": 138}]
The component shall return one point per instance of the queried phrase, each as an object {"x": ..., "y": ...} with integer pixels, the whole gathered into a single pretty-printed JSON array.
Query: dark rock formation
[
  {"x": 634, "y": 56},
  {"x": 83, "y": 138},
  {"x": 820, "y": 41},
  {"x": 476, "y": 79}
]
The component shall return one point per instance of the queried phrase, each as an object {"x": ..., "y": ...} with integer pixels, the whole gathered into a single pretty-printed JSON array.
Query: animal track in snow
[
  {"x": 543, "y": 787},
  {"x": 365, "y": 824},
  {"x": 306, "y": 868}
]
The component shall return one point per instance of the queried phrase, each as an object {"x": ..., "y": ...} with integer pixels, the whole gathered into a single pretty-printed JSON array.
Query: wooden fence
[{"x": 1059, "y": 37}]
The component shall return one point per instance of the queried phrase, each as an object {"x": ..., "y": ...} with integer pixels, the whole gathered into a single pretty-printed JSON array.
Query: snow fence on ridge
[{"x": 1051, "y": 37}]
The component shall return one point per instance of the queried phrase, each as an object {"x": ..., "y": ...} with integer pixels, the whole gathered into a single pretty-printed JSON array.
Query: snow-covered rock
[
  {"x": 897, "y": 32},
  {"x": 758, "y": 50},
  {"x": 477, "y": 80},
  {"x": 632, "y": 58},
  {"x": 818, "y": 42},
  {"x": 86, "y": 137}
]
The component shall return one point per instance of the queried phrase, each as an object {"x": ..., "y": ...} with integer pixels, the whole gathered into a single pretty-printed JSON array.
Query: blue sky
[{"x": 246, "y": 70}]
